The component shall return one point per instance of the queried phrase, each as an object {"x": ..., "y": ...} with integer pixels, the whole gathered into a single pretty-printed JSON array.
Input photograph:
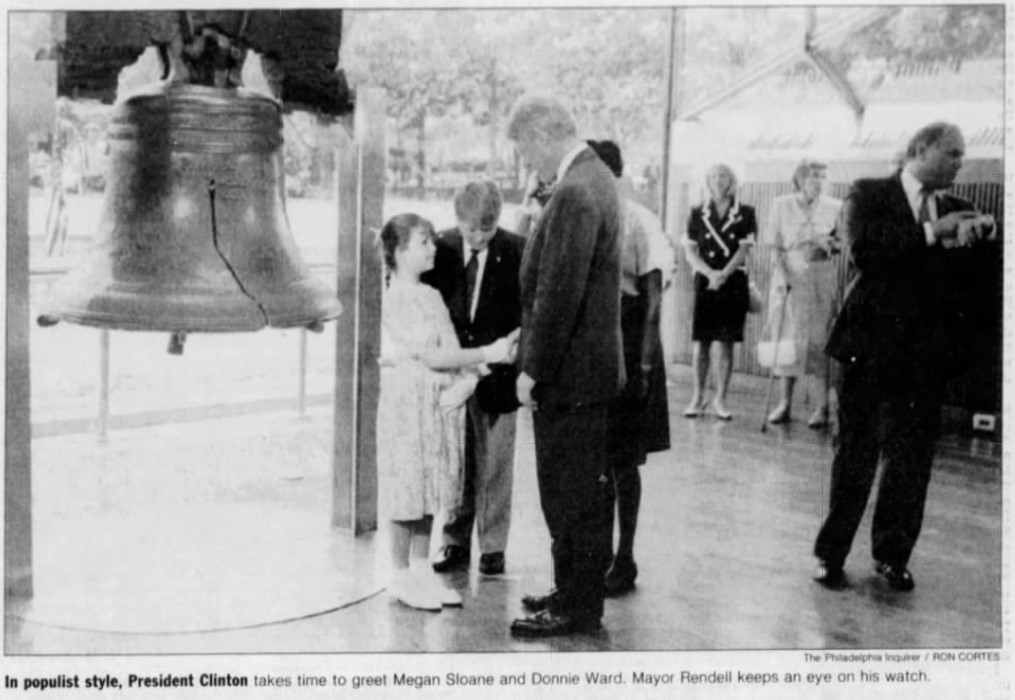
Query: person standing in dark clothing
[
  {"x": 720, "y": 236},
  {"x": 639, "y": 417},
  {"x": 902, "y": 331},
  {"x": 571, "y": 360}
]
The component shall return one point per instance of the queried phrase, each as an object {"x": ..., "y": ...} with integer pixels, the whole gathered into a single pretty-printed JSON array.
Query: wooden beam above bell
[{"x": 302, "y": 45}]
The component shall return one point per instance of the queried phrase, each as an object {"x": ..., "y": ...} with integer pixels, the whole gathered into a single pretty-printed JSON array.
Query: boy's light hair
[{"x": 479, "y": 202}]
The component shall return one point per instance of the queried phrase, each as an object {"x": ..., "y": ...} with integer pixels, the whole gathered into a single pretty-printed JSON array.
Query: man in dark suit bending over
[
  {"x": 570, "y": 360},
  {"x": 901, "y": 333},
  {"x": 476, "y": 272}
]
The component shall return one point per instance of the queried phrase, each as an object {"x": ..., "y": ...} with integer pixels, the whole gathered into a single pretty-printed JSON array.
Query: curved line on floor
[{"x": 255, "y": 625}]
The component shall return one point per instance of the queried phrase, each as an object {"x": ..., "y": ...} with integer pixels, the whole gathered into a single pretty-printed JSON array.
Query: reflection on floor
[{"x": 215, "y": 537}]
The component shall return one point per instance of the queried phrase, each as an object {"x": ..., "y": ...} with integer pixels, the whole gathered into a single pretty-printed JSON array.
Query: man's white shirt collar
[
  {"x": 467, "y": 253},
  {"x": 568, "y": 158}
]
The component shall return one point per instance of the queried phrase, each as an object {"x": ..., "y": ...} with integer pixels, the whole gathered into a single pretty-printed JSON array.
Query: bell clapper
[
  {"x": 176, "y": 341},
  {"x": 174, "y": 68}
]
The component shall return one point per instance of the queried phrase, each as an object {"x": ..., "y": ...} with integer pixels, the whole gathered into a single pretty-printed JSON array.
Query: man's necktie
[
  {"x": 544, "y": 190},
  {"x": 471, "y": 268},
  {"x": 923, "y": 216}
]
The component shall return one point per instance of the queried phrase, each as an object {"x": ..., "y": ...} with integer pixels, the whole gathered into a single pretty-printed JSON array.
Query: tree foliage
[
  {"x": 610, "y": 64},
  {"x": 612, "y": 67},
  {"x": 933, "y": 33}
]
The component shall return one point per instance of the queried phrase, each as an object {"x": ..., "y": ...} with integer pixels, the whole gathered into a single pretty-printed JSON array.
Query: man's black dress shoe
[
  {"x": 491, "y": 564},
  {"x": 550, "y": 624},
  {"x": 620, "y": 578},
  {"x": 453, "y": 558},
  {"x": 830, "y": 575},
  {"x": 897, "y": 576},
  {"x": 539, "y": 603}
]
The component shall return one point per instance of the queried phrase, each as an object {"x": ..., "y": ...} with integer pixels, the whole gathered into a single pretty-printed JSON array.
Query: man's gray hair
[
  {"x": 539, "y": 113},
  {"x": 479, "y": 202}
]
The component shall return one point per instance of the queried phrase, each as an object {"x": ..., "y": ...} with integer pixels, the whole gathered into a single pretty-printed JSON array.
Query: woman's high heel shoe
[
  {"x": 818, "y": 419},
  {"x": 779, "y": 415},
  {"x": 720, "y": 411},
  {"x": 620, "y": 578},
  {"x": 694, "y": 409}
]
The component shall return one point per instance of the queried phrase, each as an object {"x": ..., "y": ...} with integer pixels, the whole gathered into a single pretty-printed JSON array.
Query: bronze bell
[{"x": 193, "y": 235}]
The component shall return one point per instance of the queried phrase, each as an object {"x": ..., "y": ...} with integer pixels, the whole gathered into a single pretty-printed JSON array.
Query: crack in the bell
[{"x": 215, "y": 243}]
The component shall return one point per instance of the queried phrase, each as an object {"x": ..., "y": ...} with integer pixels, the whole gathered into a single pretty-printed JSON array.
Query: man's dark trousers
[
  {"x": 885, "y": 416},
  {"x": 576, "y": 498}
]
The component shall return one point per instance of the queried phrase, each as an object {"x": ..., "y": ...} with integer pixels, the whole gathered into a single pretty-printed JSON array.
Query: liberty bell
[{"x": 193, "y": 234}]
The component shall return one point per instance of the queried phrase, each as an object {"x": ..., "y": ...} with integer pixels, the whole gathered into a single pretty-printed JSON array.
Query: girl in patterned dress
[{"x": 425, "y": 378}]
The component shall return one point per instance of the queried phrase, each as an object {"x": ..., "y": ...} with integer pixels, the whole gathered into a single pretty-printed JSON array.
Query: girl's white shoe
[
  {"x": 409, "y": 590},
  {"x": 449, "y": 597}
]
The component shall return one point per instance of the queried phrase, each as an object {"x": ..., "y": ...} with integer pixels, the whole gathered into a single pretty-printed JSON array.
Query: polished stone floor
[{"x": 214, "y": 537}]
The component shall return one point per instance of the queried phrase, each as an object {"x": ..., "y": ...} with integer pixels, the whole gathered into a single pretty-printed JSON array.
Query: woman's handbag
[
  {"x": 755, "y": 302},
  {"x": 773, "y": 353},
  {"x": 778, "y": 352}
]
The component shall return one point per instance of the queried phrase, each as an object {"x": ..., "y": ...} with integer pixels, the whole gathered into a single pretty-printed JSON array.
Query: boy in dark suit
[
  {"x": 901, "y": 333},
  {"x": 476, "y": 272}
]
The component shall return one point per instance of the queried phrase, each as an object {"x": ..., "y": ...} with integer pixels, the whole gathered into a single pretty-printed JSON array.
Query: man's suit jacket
[
  {"x": 911, "y": 307},
  {"x": 570, "y": 284},
  {"x": 498, "y": 308}
]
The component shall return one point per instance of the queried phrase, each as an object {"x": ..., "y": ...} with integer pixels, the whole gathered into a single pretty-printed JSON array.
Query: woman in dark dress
[
  {"x": 720, "y": 235},
  {"x": 638, "y": 419}
]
